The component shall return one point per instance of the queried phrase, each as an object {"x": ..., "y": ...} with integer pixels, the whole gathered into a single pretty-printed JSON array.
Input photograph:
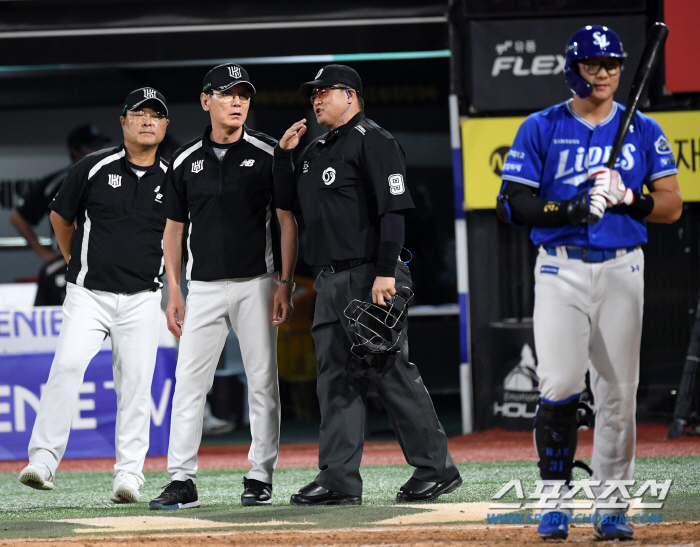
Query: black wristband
[
  {"x": 387, "y": 258},
  {"x": 642, "y": 206}
]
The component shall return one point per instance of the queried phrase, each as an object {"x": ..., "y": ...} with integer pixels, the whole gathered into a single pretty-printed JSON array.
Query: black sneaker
[
  {"x": 256, "y": 492},
  {"x": 177, "y": 495}
]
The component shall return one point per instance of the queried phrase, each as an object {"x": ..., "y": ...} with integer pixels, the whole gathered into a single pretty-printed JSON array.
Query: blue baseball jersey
[{"x": 553, "y": 151}]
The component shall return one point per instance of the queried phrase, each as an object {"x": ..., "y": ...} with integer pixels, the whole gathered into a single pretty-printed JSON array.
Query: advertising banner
[
  {"x": 486, "y": 142},
  {"x": 27, "y": 343},
  {"x": 518, "y": 65}
]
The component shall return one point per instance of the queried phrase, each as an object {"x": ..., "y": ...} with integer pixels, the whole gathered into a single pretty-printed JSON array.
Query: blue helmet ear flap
[{"x": 577, "y": 84}]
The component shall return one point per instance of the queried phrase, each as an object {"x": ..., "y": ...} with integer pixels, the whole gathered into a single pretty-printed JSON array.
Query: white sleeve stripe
[
  {"x": 182, "y": 157},
  {"x": 163, "y": 167},
  {"x": 662, "y": 174},
  {"x": 258, "y": 143},
  {"x": 522, "y": 181},
  {"x": 100, "y": 164}
]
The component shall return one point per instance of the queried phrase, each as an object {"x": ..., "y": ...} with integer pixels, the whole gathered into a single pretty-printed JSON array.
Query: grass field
[{"x": 25, "y": 512}]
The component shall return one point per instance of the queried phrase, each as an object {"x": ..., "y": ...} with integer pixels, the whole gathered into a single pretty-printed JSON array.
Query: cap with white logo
[
  {"x": 142, "y": 95},
  {"x": 332, "y": 75},
  {"x": 223, "y": 77}
]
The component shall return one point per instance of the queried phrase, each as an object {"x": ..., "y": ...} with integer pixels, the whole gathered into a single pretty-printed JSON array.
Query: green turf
[{"x": 25, "y": 512}]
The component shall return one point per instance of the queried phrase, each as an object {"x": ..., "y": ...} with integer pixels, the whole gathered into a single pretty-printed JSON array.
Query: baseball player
[
  {"x": 350, "y": 184},
  {"x": 112, "y": 241},
  {"x": 241, "y": 253},
  {"x": 51, "y": 290},
  {"x": 589, "y": 223}
]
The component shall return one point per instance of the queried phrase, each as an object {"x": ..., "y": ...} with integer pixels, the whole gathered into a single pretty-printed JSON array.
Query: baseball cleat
[
  {"x": 256, "y": 492},
  {"x": 126, "y": 488},
  {"x": 417, "y": 490},
  {"x": 554, "y": 525},
  {"x": 609, "y": 530},
  {"x": 314, "y": 494},
  {"x": 177, "y": 495},
  {"x": 37, "y": 475}
]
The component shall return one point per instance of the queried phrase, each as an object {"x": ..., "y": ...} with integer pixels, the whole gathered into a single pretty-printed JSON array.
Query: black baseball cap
[
  {"x": 139, "y": 96},
  {"x": 223, "y": 77},
  {"x": 86, "y": 135},
  {"x": 331, "y": 75}
]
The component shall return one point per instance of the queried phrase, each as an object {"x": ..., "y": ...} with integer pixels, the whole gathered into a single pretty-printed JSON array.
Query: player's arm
[
  {"x": 64, "y": 231},
  {"x": 24, "y": 228},
  {"x": 283, "y": 307},
  {"x": 172, "y": 254},
  {"x": 519, "y": 204},
  {"x": 667, "y": 200}
]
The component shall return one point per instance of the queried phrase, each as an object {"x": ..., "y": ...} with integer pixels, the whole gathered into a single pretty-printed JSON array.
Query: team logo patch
[
  {"x": 546, "y": 269},
  {"x": 115, "y": 181},
  {"x": 159, "y": 197},
  {"x": 197, "y": 166},
  {"x": 328, "y": 176},
  {"x": 396, "y": 185},
  {"x": 305, "y": 167},
  {"x": 234, "y": 72},
  {"x": 319, "y": 73},
  {"x": 662, "y": 145},
  {"x": 247, "y": 163},
  {"x": 149, "y": 93}
]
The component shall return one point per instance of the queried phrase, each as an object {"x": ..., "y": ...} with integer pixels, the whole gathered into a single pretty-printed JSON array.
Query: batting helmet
[
  {"x": 376, "y": 329},
  {"x": 590, "y": 41}
]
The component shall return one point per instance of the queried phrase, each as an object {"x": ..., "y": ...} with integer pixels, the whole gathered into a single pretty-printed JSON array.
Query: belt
[
  {"x": 339, "y": 266},
  {"x": 590, "y": 255}
]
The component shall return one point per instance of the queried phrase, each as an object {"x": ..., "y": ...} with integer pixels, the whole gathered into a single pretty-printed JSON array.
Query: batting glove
[
  {"x": 585, "y": 208},
  {"x": 609, "y": 185}
]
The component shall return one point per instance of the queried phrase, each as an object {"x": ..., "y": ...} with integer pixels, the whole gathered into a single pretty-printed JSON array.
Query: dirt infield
[
  {"x": 686, "y": 534},
  {"x": 492, "y": 445}
]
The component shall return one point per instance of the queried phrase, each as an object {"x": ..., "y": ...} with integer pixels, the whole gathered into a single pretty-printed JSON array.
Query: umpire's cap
[
  {"x": 223, "y": 77},
  {"x": 86, "y": 135},
  {"x": 331, "y": 75},
  {"x": 139, "y": 96}
]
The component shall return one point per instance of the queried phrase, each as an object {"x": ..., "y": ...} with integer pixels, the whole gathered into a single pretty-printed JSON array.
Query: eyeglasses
[
  {"x": 141, "y": 117},
  {"x": 321, "y": 92},
  {"x": 612, "y": 67},
  {"x": 228, "y": 96}
]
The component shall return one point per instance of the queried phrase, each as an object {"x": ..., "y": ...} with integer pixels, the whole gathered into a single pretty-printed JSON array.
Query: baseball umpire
[
  {"x": 111, "y": 239},
  {"x": 51, "y": 291},
  {"x": 241, "y": 253},
  {"x": 351, "y": 186},
  {"x": 589, "y": 223}
]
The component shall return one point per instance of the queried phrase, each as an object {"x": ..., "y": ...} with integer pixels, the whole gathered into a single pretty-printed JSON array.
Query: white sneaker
[
  {"x": 37, "y": 475},
  {"x": 126, "y": 488},
  {"x": 211, "y": 425}
]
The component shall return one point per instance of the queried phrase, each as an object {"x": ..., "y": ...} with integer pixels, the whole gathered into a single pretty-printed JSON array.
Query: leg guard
[{"x": 556, "y": 437}]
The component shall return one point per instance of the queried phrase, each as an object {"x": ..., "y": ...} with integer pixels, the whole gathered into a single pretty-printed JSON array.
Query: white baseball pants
[
  {"x": 212, "y": 308},
  {"x": 132, "y": 321},
  {"x": 591, "y": 314}
]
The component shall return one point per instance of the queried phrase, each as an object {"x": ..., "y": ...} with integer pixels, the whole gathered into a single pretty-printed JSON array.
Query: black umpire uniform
[{"x": 345, "y": 181}]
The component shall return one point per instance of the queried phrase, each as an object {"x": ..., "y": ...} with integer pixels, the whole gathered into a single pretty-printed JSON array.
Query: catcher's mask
[{"x": 376, "y": 329}]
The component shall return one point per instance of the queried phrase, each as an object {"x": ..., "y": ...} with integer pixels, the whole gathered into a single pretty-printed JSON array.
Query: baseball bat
[{"x": 650, "y": 57}]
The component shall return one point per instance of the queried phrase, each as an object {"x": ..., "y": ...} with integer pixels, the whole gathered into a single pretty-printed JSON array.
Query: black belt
[
  {"x": 589, "y": 255},
  {"x": 339, "y": 266}
]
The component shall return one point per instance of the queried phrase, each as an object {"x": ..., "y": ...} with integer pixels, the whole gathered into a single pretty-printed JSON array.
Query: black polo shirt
[
  {"x": 345, "y": 181},
  {"x": 117, "y": 246},
  {"x": 228, "y": 204}
]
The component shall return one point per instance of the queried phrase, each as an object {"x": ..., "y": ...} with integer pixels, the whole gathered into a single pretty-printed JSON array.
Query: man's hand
[
  {"x": 175, "y": 312},
  {"x": 585, "y": 207},
  {"x": 383, "y": 289},
  {"x": 608, "y": 184},
  {"x": 282, "y": 307},
  {"x": 47, "y": 254},
  {"x": 293, "y": 135}
]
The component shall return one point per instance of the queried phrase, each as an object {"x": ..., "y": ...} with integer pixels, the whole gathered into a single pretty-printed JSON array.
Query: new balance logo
[
  {"x": 600, "y": 40},
  {"x": 234, "y": 72},
  {"x": 361, "y": 129},
  {"x": 247, "y": 163},
  {"x": 149, "y": 93},
  {"x": 115, "y": 181},
  {"x": 197, "y": 166}
]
